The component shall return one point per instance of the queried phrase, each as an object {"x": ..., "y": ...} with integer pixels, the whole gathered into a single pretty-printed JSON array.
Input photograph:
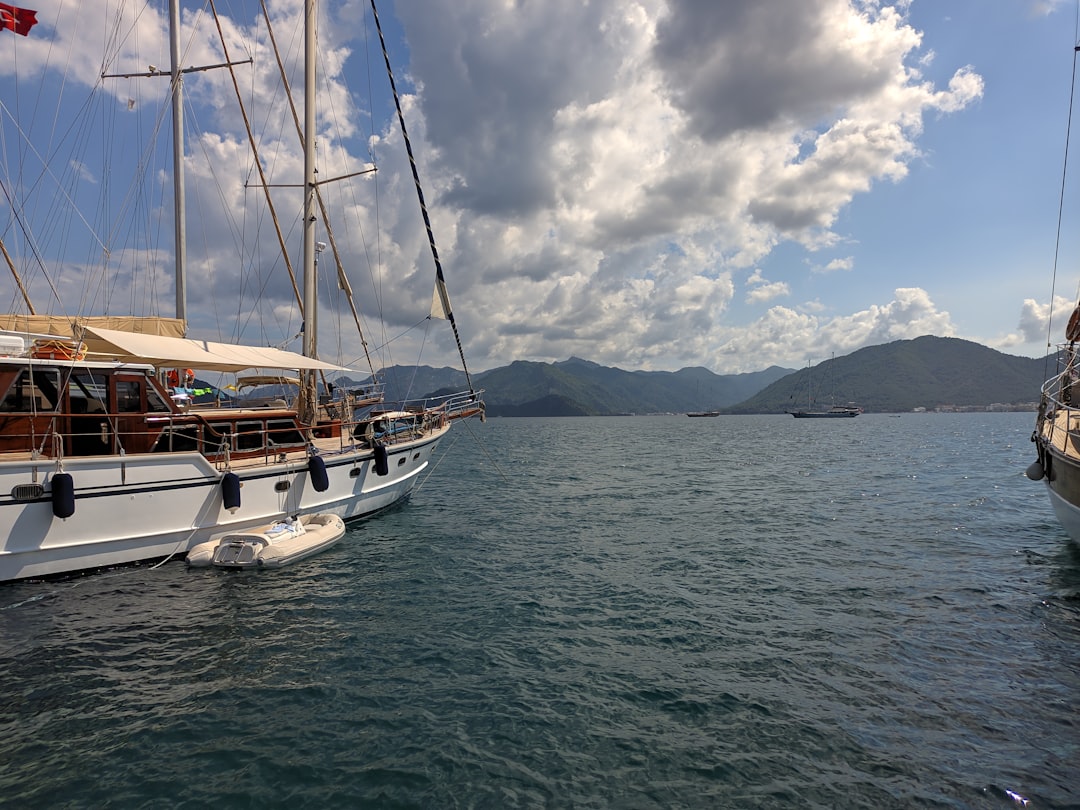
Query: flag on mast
[{"x": 19, "y": 20}]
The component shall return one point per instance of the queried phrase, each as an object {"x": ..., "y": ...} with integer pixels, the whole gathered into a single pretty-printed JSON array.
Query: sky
[{"x": 649, "y": 185}]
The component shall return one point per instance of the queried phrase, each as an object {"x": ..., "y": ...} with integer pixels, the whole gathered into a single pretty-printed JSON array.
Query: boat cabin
[{"x": 96, "y": 408}]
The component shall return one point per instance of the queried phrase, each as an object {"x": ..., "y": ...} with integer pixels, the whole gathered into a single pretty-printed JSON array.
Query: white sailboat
[{"x": 103, "y": 461}]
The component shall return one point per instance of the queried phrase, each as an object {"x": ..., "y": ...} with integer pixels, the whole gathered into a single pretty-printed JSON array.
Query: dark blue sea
[{"x": 634, "y": 612}]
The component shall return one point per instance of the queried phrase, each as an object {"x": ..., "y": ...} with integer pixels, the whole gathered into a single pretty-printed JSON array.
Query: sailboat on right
[
  {"x": 1057, "y": 432},
  {"x": 834, "y": 412},
  {"x": 1057, "y": 425}
]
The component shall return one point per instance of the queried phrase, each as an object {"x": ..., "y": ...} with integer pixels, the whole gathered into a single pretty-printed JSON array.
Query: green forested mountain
[
  {"x": 927, "y": 372},
  {"x": 578, "y": 387},
  {"x": 585, "y": 388}
]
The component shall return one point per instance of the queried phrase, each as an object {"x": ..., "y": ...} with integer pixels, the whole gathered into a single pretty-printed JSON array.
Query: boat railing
[
  {"x": 401, "y": 421},
  {"x": 458, "y": 406},
  {"x": 248, "y": 434},
  {"x": 1061, "y": 395},
  {"x": 367, "y": 394},
  {"x": 225, "y": 432},
  {"x": 1061, "y": 390}
]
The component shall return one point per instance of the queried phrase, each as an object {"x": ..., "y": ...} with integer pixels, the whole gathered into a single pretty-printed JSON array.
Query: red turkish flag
[{"x": 19, "y": 20}]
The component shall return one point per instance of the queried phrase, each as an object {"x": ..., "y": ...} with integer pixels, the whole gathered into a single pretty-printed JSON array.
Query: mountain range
[{"x": 927, "y": 372}]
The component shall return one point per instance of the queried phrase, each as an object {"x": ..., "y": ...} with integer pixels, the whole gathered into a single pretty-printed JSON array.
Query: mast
[
  {"x": 180, "y": 236},
  {"x": 310, "y": 303}
]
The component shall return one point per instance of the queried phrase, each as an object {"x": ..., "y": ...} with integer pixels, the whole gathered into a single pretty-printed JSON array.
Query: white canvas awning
[{"x": 205, "y": 355}]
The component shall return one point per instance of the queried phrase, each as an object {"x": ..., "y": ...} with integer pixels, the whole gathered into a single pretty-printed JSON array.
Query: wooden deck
[{"x": 1062, "y": 431}]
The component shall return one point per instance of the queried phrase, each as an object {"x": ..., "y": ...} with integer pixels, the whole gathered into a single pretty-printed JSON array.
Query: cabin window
[
  {"x": 39, "y": 393},
  {"x": 283, "y": 433},
  {"x": 249, "y": 436},
  {"x": 129, "y": 396},
  {"x": 154, "y": 402},
  {"x": 87, "y": 394},
  {"x": 177, "y": 440}
]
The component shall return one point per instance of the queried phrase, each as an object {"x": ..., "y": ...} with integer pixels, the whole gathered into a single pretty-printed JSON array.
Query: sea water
[{"x": 632, "y": 612}]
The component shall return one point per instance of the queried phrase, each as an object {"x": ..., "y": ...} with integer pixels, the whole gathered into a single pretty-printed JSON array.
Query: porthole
[{"x": 27, "y": 492}]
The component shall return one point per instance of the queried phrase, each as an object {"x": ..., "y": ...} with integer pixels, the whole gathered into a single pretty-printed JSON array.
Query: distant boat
[
  {"x": 704, "y": 413},
  {"x": 835, "y": 412}
]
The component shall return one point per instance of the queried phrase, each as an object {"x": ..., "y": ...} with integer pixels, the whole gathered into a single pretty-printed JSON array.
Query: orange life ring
[
  {"x": 1072, "y": 331},
  {"x": 58, "y": 350}
]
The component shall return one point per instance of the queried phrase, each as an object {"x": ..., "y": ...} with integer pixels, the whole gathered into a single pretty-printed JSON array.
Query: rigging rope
[
  {"x": 1061, "y": 204},
  {"x": 420, "y": 195}
]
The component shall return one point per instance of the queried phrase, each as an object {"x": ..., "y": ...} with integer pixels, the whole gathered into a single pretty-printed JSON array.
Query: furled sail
[{"x": 64, "y": 326}]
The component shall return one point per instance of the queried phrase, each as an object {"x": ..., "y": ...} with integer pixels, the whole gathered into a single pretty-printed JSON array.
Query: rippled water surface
[{"x": 638, "y": 612}]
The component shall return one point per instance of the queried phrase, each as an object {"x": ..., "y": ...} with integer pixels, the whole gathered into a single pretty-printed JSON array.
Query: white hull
[
  {"x": 106, "y": 459},
  {"x": 142, "y": 507}
]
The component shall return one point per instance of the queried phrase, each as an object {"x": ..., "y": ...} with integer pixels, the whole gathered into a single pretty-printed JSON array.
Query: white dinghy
[{"x": 272, "y": 546}]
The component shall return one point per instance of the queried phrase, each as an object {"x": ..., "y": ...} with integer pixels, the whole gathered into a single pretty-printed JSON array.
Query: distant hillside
[
  {"x": 575, "y": 385},
  {"x": 578, "y": 387},
  {"x": 928, "y": 372}
]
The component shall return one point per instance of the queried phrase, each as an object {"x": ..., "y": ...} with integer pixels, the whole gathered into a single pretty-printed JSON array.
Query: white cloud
[
  {"x": 760, "y": 290},
  {"x": 1035, "y": 326},
  {"x": 1045, "y": 7},
  {"x": 845, "y": 264},
  {"x": 789, "y": 337},
  {"x": 596, "y": 172},
  {"x": 711, "y": 132}
]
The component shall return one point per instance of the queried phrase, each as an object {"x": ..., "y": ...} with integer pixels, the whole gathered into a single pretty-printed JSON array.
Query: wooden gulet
[{"x": 102, "y": 462}]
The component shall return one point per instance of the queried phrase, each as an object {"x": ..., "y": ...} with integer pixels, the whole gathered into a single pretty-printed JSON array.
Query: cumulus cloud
[
  {"x": 687, "y": 142},
  {"x": 790, "y": 336},
  {"x": 1034, "y": 325},
  {"x": 597, "y": 173},
  {"x": 760, "y": 290},
  {"x": 836, "y": 264}
]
